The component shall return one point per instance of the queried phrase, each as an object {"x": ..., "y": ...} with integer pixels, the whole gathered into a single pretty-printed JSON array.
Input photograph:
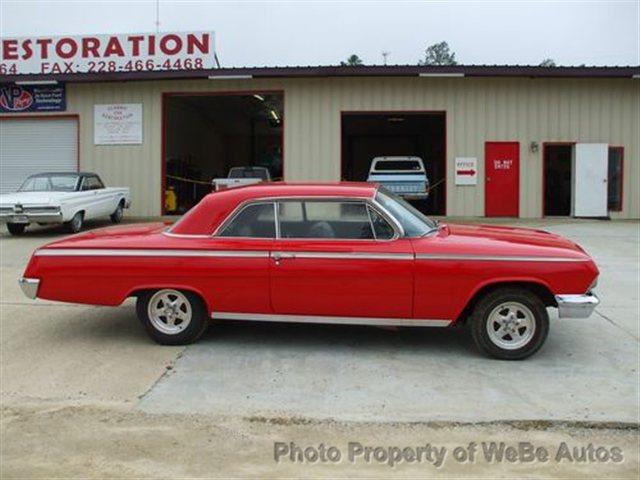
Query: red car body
[{"x": 429, "y": 281}]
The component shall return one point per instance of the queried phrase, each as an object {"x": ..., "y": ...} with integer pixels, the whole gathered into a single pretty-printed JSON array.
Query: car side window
[
  {"x": 253, "y": 221},
  {"x": 324, "y": 219},
  {"x": 381, "y": 227},
  {"x": 91, "y": 183}
]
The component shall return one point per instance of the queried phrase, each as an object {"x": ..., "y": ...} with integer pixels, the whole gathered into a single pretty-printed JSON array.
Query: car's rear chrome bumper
[
  {"x": 577, "y": 306},
  {"x": 29, "y": 286},
  {"x": 28, "y": 217}
]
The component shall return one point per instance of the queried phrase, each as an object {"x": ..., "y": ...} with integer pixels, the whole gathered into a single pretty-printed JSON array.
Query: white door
[
  {"x": 589, "y": 180},
  {"x": 37, "y": 145}
]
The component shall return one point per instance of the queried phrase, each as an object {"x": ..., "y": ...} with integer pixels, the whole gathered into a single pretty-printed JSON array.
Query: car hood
[
  {"x": 34, "y": 198},
  {"x": 499, "y": 241}
]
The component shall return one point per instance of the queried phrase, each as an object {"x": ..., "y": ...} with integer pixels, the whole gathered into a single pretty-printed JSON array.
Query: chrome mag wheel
[
  {"x": 169, "y": 311},
  {"x": 511, "y": 325}
]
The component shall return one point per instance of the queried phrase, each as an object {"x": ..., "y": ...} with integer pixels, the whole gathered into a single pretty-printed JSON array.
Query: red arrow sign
[{"x": 466, "y": 172}]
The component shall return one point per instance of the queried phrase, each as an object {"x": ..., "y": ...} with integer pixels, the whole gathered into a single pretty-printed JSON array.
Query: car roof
[
  {"x": 215, "y": 207},
  {"x": 46, "y": 174}
]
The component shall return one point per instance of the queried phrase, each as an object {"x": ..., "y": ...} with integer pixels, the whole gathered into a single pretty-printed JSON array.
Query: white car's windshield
[
  {"x": 50, "y": 183},
  {"x": 413, "y": 221}
]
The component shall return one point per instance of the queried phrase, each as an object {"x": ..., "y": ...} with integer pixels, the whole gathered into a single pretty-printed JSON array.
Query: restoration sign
[
  {"x": 117, "y": 124},
  {"x": 466, "y": 171},
  {"x": 107, "y": 53},
  {"x": 33, "y": 98}
]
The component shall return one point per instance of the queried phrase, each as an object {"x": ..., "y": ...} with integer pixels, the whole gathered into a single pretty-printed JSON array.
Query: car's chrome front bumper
[
  {"x": 577, "y": 306},
  {"x": 29, "y": 286}
]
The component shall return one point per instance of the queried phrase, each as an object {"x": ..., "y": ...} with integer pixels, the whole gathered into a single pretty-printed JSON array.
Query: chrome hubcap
[
  {"x": 511, "y": 325},
  {"x": 169, "y": 311}
]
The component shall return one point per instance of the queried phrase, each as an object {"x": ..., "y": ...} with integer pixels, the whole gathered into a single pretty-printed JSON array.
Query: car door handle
[{"x": 277, "y": 256}]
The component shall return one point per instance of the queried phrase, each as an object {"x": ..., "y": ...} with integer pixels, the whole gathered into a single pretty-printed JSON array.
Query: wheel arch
[
  {"x": 535, "y": 286},
  {"x": 137, "y": 291}
]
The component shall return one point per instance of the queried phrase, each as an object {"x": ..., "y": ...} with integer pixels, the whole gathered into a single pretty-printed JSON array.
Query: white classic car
[{"x": 68, "y": 198}]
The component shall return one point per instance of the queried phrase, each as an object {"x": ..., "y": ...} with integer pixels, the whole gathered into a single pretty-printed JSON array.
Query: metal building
[{"x": 528, "y": 139}]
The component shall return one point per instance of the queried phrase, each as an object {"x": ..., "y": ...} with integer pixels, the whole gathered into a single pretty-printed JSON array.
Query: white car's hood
[{"x": 34, "y": 198}]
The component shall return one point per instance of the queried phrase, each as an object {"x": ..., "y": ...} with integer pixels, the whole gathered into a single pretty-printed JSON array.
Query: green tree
[
  {"x": 439, "y": 54},
  {"x": 353, "y": 61},
  {"x": 548, "y": 62}
]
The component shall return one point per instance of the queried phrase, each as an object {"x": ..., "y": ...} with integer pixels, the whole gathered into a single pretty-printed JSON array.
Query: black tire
[
  {"x": 16, "y": 228},
  {"x": 75, "y": 224},
  {"x": 519, "y": 308},
  {"x": 116, "y": 217},
  {"x": 193, "y": 330}
]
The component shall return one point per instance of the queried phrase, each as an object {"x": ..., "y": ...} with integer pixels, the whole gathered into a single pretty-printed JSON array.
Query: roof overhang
[{"x": 248, "y": 73}]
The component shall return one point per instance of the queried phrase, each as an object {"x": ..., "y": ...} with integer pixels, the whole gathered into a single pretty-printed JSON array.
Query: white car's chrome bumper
[
  {"x": 31, "y": 217},
  {"x": 29, "y": 286},
  {"x": 577, "y": 306}
]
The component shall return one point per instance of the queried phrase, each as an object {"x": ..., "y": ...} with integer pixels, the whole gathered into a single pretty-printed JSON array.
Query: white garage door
[{"x": 29, "y": 146}]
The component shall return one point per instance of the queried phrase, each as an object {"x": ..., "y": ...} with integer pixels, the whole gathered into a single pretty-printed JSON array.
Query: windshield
[
  {"x": 248, "y": 172},
  {"x": 408, "y": 165},
  {"x": 414, "y": 222},
  {"x": 50, "y": 183}
]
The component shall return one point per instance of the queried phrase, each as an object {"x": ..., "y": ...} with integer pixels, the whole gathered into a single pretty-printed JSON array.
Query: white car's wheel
[
  {"x": 172, "y": 317},
  {"x": 75, "y": 224},
  {"x": 16, "y": 228},
  {"x": 116, "y": 216}
]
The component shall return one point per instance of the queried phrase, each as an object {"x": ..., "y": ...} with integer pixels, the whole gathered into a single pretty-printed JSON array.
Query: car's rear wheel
[
  {"x": 172, "y": 317},
  {"x": 510, "y": 324},
  {"x": 116, "y": 217},
  {"x": 16, "y": 228},
  {"x": 75, "y": 224}
]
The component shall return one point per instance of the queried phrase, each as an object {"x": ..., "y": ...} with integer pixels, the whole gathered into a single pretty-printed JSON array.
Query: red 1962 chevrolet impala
[{"x": 349, "y": 253}]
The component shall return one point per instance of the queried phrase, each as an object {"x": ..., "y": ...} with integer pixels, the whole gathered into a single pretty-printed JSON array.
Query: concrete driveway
[{"x": 66, "y": 355}]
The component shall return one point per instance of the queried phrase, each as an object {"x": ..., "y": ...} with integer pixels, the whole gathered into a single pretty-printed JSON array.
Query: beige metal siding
[{"x": 478, "y": 110}]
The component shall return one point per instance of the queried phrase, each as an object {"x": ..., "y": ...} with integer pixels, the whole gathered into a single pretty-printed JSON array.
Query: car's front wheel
[
  {"x": 116, "y": 216},
  {"x": 172, "y": 317},
  {"x": 510, "y": 324},
  {"x": 16, "y": 228}
]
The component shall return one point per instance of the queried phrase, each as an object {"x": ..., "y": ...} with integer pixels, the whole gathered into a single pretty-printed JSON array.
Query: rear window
[
  {"x": 248, "y": 173},
  {"x": 408, "y": 165}
]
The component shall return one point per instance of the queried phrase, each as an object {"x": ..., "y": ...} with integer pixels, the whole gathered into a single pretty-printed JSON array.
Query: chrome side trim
[
  {"x": 496, "y": 258},
  {"x": 577, "y": 306},
  {"x": 91, "y": 252},
  {"x": 261, "y": 317},
  {"x": 29, "y": 287},
  {"x": 184, "y": 235},
  {"x": 343, "y": 255}
]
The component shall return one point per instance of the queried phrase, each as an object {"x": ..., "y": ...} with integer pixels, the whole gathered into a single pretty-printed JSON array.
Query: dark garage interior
[
  {"x": 206, "y": 135},
  {"x": 366, "y": 136},
  {"x": 557, "y": 179}
]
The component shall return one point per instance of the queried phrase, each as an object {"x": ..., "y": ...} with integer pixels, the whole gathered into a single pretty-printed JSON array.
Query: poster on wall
[
  {"x": 466, "y": 171},
  {"x": 32, "y": 98},
  {"x": 117, "y": 124}
]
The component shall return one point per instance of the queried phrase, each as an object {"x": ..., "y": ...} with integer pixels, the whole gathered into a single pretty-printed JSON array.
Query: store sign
[
  {"x": 107, "y": 53},
  {"x": 117, "y": 124},
  {"x": 33, "y": 98},
  {"x": 466, "y": 171}
]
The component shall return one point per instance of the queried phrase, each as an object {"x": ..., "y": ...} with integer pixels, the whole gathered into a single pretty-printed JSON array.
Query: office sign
[
  {"x": 466, "y": 171},
  {"x": 107, "y": 53},
  {"x": 32, "y": 98},
  {"x": 117, "y": 124}
]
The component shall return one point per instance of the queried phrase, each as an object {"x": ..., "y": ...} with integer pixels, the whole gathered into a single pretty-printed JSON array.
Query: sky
[{"x": 257, "y": 33}]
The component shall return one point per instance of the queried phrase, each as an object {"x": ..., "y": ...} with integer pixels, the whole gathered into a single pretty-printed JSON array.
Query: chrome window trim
[
  {"x": 496, "y": 258},
  {"x": 168, "y": 233},
  {"x": 399, "y": 232},
  {"x": 262, "y": 317},
  {"x": 280, "y": 254},
  {"x": 114, "y": 252}
]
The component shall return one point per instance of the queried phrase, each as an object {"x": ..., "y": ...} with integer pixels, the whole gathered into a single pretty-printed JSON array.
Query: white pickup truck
[
  {"x": 404, "y": 176},
  {"x": 242, "y": 176},
  {"x": 67, "y": 198}
]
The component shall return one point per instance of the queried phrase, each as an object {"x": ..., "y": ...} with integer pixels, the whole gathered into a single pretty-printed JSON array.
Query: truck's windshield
[{"x": 413, "y": 221}]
